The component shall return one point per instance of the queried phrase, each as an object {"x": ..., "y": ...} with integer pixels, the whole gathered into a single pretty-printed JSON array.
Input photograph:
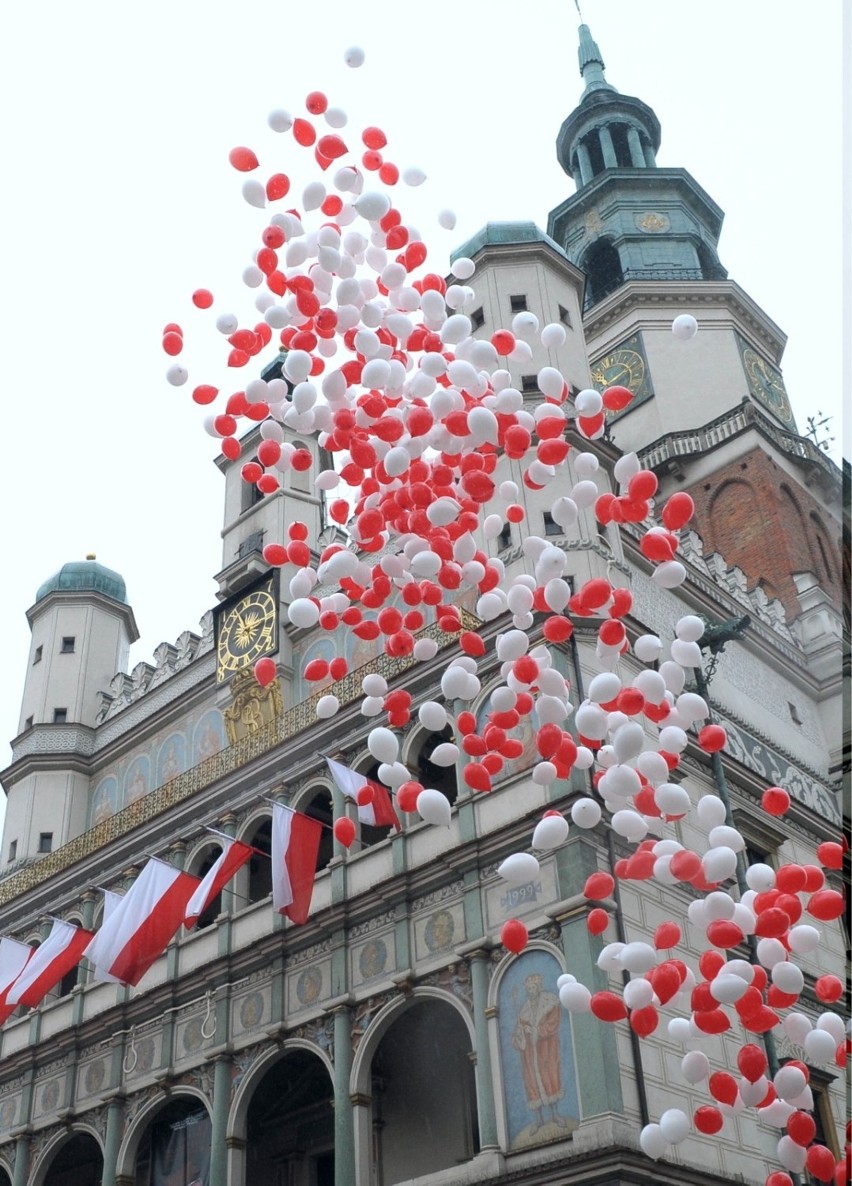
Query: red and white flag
[
  {"x": 233, "y": 856},
  {"x": 13, "y": 959},
  {"x": 379, "y": 812},
  {"x": 141, "y": 925},
  {"x": 295, "y": 847},
  {"x": 61, "y": 951}
]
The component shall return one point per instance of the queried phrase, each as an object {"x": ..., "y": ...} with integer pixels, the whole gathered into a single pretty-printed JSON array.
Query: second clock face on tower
[
  {"x": 247, "y": 630},
  {"x": 766, "y": 385},
  {"x": 624, "y": 366}
]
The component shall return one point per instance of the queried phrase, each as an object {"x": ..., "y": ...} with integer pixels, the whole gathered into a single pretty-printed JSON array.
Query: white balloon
[
  {"x": 803, "y": 938},
  {"x": 371, "y": 706},
  {"x": 374, "y": 685},
  {"x": 729, "y": 837},
  {"x": 653, "y": 766},
  {"x": 254, "y": 192},
  {"x": 354, "y": 56},
  {"x": 753, "y": 1093},
  {"x": 727, "y": 989},
  {"x": 647, "y": 648},
  {"x": 280, "y": 121},
  {"x": 638, "y": 957},
  {"x": 771, "y": 952},
  {"x": 553, "y": 336},
  {"x": 177, "y": 375},
  {"x": 609, "y": 959},
  {"x": 303, "y": 613},
  {"x": 585, "y": 813},
  {"x": 832, "y": 1023},
  {"x": 550, "y": 832},
  {"x": 719, "y": 864},
  {"x": 652, "y": 1141},
  {"x": 629, "y": 824},
  {"x": 434, "y": 808},
  {"x": 445, "y": 754},
  {"x": 695, "y": 1066},
  {"x": 413, "y": 176},
  {"x": 576, "y": 998},
  {"x": 604, "y": 687},
  {"x": 638, "y": 993},
  {"x": 684, "y": 327},
  {"x": 820, "y": 1046},
  {"x": 519, "y": 868},
  {"x": 789, "y": 1082},
  {"x": 791, "y": 1155},
  {"x": 628, "y": 741},
  {"x": 690, "y": 628},
  {"x": 591, "y": 721},
  {"x": 432, "y": 716},
  {"x": 588, "y": 402},
  {"x": 679, "y": 1029},
  {"x": 692, "y": 707},
  {"x": 425, "y": 649},
  {"x": 686, "y": 654},
  {"x": 652, "y": 686},
  {"x": 672, "y": 799},
  {"x": 447, "y": 219},
  {"x": 675, "y": 1125},
  {"x": 669, "y": 574},
  {"x": 710, "y": 811},
  {"x": 327, "y": 706},
  {"x": 383, "y": 745}
]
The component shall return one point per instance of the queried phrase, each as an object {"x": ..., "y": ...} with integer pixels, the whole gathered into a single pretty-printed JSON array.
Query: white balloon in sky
[
  {"x": 447, "y": 219},
  {"x": 254, "y": 192},
  {"x": 280, "y": 120},
  {"x": 413, "y": 176},
  {"x": 354, "y": 56},
  {"x": 177, "y": 375},
  {"x": 684, "y": 327}
]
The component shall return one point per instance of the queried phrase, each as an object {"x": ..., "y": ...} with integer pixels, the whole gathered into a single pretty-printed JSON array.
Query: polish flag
[
  {"x": 13, "y": 959},
  {"x": 140, "y": 927},
  {"x": 61, "y": 951},
  {"x": 233, "y": 856},
  {"x": 295, "y": 847},
  {"x": 379, "y": 813}
]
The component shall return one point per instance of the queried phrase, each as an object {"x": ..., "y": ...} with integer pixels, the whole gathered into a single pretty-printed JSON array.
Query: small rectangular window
[
  {"x": 60, "y": 716},
  {"x": 13, "y": 850},
  {"x": 37, "y": 655},
  {"x": 67, "y": 645},
  {"x": 551, "y": 527},
  {"x": 564, "y": 316},
  {"x": 794, "y": 713},
  {"x": 477, "y": 318},
  {"x": 504, "y": 539},
  {"x": 518, "y": 303},
  {"x": 45, "y": 841},
  {"x": 529, "y": 384},
  {"x": 28, "y": 723}
]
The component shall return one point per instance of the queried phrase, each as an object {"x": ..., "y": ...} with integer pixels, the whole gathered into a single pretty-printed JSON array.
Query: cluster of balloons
[{"x": 380, "y": 363}]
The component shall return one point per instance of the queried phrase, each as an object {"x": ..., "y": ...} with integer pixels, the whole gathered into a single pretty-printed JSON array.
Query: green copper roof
[
  {"x": 591, "y": 63},
  {"x": 82, "y": 576},
  {"x": 504, "y": 233}
]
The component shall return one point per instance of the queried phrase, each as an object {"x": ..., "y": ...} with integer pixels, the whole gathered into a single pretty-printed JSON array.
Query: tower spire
[{"x": 591, "y": 61}]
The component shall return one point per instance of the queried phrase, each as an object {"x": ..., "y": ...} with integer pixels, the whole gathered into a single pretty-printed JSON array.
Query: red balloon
[
  {"x": 708, "y": 1119},
  {"x": 826, "y": 905},
  {"x": 820, "y": 1163},
  {"x": 779, "y": 1178},
  {"x": 666, "y": 936},
  {"x": 275, "y": 555},
  {"x": 751, "y": 1061},
  {"x": 607, "y": 1006},
  {"x": 205, "y": 394},
  {"x": 712, "y": 738},
  {"x": 477, "y": 777},
  {"x": 316, "y": 670},
  {"x": 644, "y": 1021},
  {"x": 829, "y": 989},
  {"x": 338, "y": 668},
  {"x": 316, "y": 103},
  {"x": 406, "y": 796},
  {"x": 597, "y": 921},
  {"x": 514, "y": 936},
  {"x": 265, "y": 671},
  {"x": 332, "y": 147},
  {"x": 304, "y": 132},
  {"x": 172, "y": 343},
  {"x": 202, "y": 298},
  {"x": 723, "y": 1087},
  {"x": 722, "y": 933},
  {"x": 374, "y": 138},
  {"x": 503, "y": 342},
  {"x": 801, "y": 1128},
  {"x": 344, "y": 830},
  {"x": 677, "y": 511},
  {"x": 243, "y": 159},
  {"x": 615, "y": 399},
  {"x": 775, "y": 800},
  {"x": 277, "y": 187},
  {"x": 599, "y": 886},
  {"x": 666, "y": 980},
  {"x": 830, "y": 854},
  {"x": 711, "y": 1021}
]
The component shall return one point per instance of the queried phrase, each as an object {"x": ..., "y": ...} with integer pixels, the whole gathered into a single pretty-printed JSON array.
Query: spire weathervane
[{"x": 577, "y": 6}]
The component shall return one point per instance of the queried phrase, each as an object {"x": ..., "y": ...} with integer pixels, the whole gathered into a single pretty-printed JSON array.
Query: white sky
[{"x": 119, "y": 201}]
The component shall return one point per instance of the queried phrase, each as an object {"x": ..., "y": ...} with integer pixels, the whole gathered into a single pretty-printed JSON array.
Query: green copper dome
[{"x": 82, "y": 576}]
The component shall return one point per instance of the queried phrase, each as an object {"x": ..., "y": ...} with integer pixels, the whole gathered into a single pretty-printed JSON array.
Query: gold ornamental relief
[
  {"x": 653, "y": 223},
  {"x": 252, "y": 708}
]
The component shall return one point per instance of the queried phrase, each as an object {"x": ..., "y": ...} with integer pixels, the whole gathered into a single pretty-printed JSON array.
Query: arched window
[
  {"x": 603, "y": 271},
  {"x": 202, "y": 864},
  {"x": 175, "y": 1146},
  {"x": 823, "y": 547},
  {"x": 290, "y": 1124},
  {"x": 621, "y": 145},
  {"x": 423, "y": 1121},
  {"x": 79, "y": 1162},
  {"x": 249, "y": 494},
  {"x": 319, "y": 807},
  {"x": 440, "y": 778}
]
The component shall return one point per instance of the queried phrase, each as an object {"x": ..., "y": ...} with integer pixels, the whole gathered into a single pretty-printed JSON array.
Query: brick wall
[{"x": 754, "y": 515}]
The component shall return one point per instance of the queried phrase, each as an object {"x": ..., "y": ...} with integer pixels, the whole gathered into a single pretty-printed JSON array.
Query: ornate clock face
[
  {"x": 246, "y": 632},
  {"x": 767, "y": 386},
  {"x": 623, "y": 367}
]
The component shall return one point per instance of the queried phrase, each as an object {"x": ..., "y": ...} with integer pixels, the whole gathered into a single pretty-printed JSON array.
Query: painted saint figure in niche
[{"x": 536, "y": 1038}]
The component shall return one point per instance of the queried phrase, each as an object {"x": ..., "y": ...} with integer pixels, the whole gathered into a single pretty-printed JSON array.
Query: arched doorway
[
  {"x": 79, "y": 1162},
  {"x": 174, "y": 1149},
  {"x": 290, "y": 1124},
  {"x": 602, "y": 266},
  {"x": 424, "y": 1094}
]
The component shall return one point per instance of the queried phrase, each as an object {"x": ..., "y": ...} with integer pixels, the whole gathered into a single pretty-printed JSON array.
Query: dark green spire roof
[
  {"x": 84, "y": 576},
  {"x": 591, "y": 63}
]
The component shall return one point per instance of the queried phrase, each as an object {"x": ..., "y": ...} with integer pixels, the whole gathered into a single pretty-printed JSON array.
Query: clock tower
[{"x": 714, "y": 408}]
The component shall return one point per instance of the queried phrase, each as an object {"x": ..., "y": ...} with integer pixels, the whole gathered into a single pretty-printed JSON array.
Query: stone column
[
  {"x": 607, "y": 148},
  {"x": 218, "y": 1138},
  {"x": 479, "y": 959},
  {"x": 112, "y": 1140},
  {"x": 584, "y": 162},
  {"x": 87, "y": 911},
  {"x": 22, "y": 1161},
  {"x": 344, "y": 1127},
  {"x": 637, "y": 157},
  {"x": 650, "y": 159},
  {"x": 228, "y": 825}
]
